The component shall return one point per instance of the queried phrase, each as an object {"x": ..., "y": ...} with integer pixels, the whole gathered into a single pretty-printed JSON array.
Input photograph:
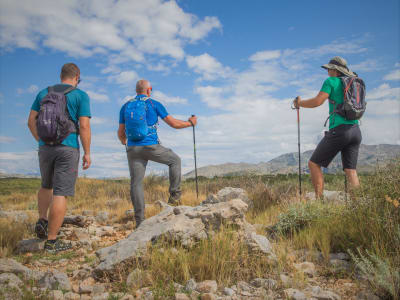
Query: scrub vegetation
[{"x": 367, "y": 226}]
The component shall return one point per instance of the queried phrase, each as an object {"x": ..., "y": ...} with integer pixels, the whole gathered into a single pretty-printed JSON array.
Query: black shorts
[
  {"x": 59, "y": 168},
  {"x": 345, "y": 138}
]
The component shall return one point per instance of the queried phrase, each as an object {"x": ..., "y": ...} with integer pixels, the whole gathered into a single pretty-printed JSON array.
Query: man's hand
[
  {"x": 193, "y": 120},
  {"x": 86, "y": 161},
  {"x": 296, "y": 102}
]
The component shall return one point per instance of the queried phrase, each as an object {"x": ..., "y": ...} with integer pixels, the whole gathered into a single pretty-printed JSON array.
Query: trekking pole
[
  {"x": 345, "y": 186},
  {"x": 195, "y": 159},
  {"x": 298, "y": 141}
]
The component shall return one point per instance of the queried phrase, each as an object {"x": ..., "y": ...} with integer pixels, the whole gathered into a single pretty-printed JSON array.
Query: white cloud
[
  {"x": 124, "y": 78},
  {"x": 384, "y": 91},
  {"x": 30, "y": 90},
  {"x": 98, "y": 97},
  {"x": 368, "y": 65},
  {"x": 127, "y": 29},
  {"x": 265, "y": 55},
  {"x": 394, "y": 75},
  {"x": 99, "y": 121},
  {"x": 125, "y": 99},
  {"x": 6, "y": 139},
  {"x": 208, "y": 66},
  {"x": 159, "y": 96}
]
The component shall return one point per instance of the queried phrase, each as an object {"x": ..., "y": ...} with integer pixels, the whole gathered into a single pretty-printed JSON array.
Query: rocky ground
[{"x": 102, "y": 247}]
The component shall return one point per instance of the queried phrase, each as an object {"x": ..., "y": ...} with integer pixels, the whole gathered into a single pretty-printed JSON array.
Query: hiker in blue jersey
[
  {"x": 344, "y": 134},
  {"x": 138, "y": 131},
  {"x": 59, "y": 115}
]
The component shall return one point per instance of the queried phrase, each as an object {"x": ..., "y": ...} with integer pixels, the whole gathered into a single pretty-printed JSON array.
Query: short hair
[
  {"x": 142, "y": 85},
  {"x": 69, "y": 70}
]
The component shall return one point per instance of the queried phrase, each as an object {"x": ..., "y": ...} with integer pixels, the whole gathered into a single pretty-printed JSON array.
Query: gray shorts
[{"x": 59, "y": 168}]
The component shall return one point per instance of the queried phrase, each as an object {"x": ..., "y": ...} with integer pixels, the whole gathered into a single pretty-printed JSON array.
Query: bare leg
[
  {"x": 317, "y": 178},
  {"x": 58, "y": 208},
  {"x": 352, "y": 177},
  {"x": 45, "y": 196}
]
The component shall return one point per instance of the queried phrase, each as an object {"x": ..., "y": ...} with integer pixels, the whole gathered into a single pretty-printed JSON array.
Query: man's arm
[
  {"x": 122, "y": 134},
  {"x": 85, "y": 133},
  {"x": 32, "y": 124},
  {"x": 313, "y": 102},
  {"x": 178, "y": 124}
]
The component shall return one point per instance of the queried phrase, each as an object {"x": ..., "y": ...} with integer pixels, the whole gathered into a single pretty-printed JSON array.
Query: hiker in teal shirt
[
  {"x": 344, "y": 135},
  {"x": 59, "y": 162}
]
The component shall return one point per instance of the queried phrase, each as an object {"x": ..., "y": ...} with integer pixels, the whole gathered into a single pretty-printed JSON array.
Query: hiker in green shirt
[{"x": 344, "y": 135}]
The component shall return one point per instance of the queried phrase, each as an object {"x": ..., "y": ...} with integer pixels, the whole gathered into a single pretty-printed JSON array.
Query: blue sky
[{"x": 235, "y": 64}]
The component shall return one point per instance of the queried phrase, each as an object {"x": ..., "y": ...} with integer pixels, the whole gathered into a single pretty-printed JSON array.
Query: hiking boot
[
  {"x": 41, "y": 228},
  {"x": 56, "y": 246},
  {"x": 174, "y": 200}
]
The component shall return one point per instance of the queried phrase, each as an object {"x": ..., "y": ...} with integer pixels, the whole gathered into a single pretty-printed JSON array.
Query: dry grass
[{"x": 223, "y": 257}]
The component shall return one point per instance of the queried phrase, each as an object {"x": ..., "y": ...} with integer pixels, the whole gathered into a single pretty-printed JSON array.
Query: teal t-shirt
[
  {"x": 334, "y": 87},
  {"x": 78, "y": 104}
]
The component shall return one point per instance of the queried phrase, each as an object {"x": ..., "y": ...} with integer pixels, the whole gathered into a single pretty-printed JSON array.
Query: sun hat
[{"x": 340, "y": 64}]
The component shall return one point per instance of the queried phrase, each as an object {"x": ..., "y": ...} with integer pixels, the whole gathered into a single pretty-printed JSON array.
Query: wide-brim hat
[{"x": 340, "y": 64}]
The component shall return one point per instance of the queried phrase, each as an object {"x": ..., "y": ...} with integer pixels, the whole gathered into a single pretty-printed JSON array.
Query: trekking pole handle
[
  {"x": 293, "y": 105},
  {"x": 191, "y": 121}
]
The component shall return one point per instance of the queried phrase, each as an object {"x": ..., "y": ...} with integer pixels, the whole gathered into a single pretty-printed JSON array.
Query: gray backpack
[
  {"x": 354, "y": 104},
  {"x": 54, "y": 123}
]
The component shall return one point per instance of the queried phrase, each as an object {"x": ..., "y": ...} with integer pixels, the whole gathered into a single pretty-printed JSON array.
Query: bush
[{"x": 383, "y": 277}]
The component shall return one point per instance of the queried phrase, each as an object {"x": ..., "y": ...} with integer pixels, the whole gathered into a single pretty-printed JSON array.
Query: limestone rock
[
  {"x": 190, "y": 285},
  {"x": 318, "y": 293},
  {"x": 30, "y": 245},
  {"x": 71, "y": 296},
  {"x": 103, "y": 296},
  {"x": 10, "y": 280},
  {"x": 306, "y": 267},
  {"x": 227, "y": 194},
  {"x": 8, "y": 265},
  {"x": 191, "y": 225},
  {"x": 207, "y": 286},
  {"x": 229, "y": 291},
  {"x": 208, "y": 296},
  {"x": 293, "y": 294},
  {"x": 102, "y": 217},
  {"x": 330, "y": 196},
  {"x": 340, "y": 255},
  {"x": 259, "y": 243},
  {"x": 340, "y": 265},
  {"x": 181, "y": 296},
  {"x": 56, "y": 295},
  {"x": 264, "y": 283},
  {"x": 55, "y": 280}
]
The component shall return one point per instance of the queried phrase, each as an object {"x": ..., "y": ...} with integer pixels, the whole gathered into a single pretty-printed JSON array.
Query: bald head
[{"x": 142, "y": 86}]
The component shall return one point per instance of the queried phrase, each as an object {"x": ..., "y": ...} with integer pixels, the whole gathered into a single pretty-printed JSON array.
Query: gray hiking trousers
[{"x": 138, "y": 156}]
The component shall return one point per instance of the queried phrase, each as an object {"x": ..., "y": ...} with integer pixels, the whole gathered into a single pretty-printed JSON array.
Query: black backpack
[
  {"x": 354, "y": 104},
  {"x": 54, "y": 123}
]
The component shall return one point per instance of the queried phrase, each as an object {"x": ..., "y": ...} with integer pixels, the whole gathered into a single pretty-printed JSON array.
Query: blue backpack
[{"x": 136, "y": 127}]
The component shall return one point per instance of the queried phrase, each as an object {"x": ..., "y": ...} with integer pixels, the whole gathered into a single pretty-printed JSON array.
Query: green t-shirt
[{"x": 334, "y": 87}]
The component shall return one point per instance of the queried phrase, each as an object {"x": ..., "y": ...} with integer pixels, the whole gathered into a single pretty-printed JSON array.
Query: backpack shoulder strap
[{"x": 69, "y": 89}]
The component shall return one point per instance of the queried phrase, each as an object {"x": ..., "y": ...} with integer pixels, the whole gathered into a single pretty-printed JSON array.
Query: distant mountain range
[{"x": 370, "y": 157}]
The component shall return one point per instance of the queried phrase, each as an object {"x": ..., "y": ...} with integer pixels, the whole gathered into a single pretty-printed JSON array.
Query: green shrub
[{"x": 383, "y": 277}]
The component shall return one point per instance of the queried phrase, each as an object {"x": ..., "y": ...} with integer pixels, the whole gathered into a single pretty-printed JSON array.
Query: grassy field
[{"x": 367, "y": 226}]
